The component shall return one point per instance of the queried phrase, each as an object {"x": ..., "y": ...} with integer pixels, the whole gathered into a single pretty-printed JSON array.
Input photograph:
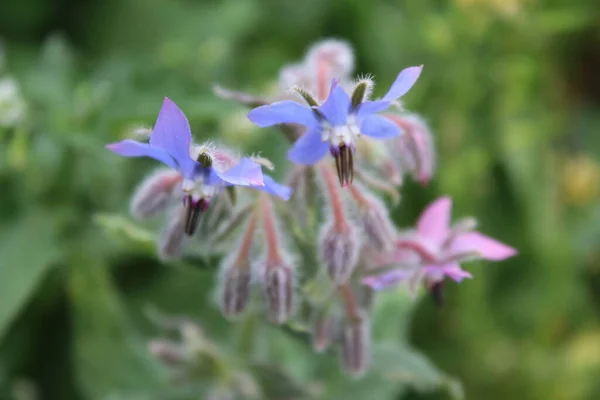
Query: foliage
[{"x": 508, "y": 92}]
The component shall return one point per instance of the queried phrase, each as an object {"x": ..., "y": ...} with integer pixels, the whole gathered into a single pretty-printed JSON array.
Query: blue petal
[
  {"x": 283, "y": 112},
  {"x": 132, "y": 148},
  {"x": 274, "y": 188},
  {"x": 245, "y": 173},
  {"x": 405, "y": 80},
  {"x": 308, "y": 149},
  {"x": 337, "y": 106},
  {"x": 379, "y": 127},
  {"x": 372, "y": 107},
  {"x": 172, "y": 134}
]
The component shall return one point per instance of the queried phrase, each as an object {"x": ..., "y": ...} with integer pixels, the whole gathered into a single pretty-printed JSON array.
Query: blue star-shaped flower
[
  {"x": 170, "y": 144},
  {"x": 336, "y": 124}
]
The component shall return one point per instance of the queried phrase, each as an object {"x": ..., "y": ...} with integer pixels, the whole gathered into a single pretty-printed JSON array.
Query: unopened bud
[
  {"x": 240, "y": 97},
  {"x": 376, "y": 223},
  {"x": 168, "y": 352},
  {"x": 339, "y": 251},
  {"x": 172, "y": 237},
  {"x": 335, "y": 54},
  {"x": 414, "y": 149},
  {"x": 279, "y": 292},
  {"x": 235, "y": 290},
  {"x": 355, "y": 346},
  {"x": 294, "y": 75},
  {"x": 154, "y": 193},
  {"x": 324, "y": 325}
]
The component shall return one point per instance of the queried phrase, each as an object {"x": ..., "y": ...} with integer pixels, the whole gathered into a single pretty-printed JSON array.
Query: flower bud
[
  {"x": 236, "y": 274},
  {"x": 355, "y": 346},
  {"x": 336, "y": 55},
  {"x": 235, "y": 290},
  {"x": 294, "y": 75},
  {"x": 323, "y": 330},
  {"x": 168, "y": 352},
  {"x": 279, "y": 292},
  {"x": 240, "y": 97},
  {"x": 377, "y": 226},
  {"x": 414, "y": 150},
  {"x": 153, "y": 194},
  {"x": 173, "y": 235},
  {"x": 339, "y": 251}
]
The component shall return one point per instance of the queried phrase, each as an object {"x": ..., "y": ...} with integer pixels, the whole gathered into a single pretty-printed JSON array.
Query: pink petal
[
  {"x": 486, "y": 247},
  {"x": 434, "y": 223},
  {"x": 387, "y": 279},
  {"x": 451, "y": 270}
]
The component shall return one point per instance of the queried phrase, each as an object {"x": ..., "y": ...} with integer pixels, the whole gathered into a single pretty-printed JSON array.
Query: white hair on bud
[
  {"x": 141, "y": 132},
  {"x": 263, "y": 161},
  {"x": 280, "y": 286},
  {"x": 368, "y": 79},
  {"x": 294, "y": 75},
  {"x": 155, "y": 193},
  {"x": 355, "y": 348},
  {"x": 339, "y": 250},
  {"x": 173, "y": 235},
  {"x": 337, "y": 53},
  {"x": 416, "y": 147},
  {"x": 234, "y": 287}
]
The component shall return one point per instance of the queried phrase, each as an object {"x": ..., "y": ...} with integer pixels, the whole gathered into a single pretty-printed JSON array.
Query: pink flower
[{"x": 440, "y": 247}]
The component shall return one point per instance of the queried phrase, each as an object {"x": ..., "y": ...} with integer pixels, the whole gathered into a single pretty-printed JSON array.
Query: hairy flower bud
[
  {"x": 278, "y": 281},
  {"x": 323, "y": 330},
  {"x": 154, "y": 193},
  {"x": 339, "y": 251},
  {"x": 235, "y": 290},
  {"x": 336, "y": 55},
  {"x": 236, "y": 274},
  {"x": 168, "y": 352},
  {"x": 376, "y": 223},
  {"x": 173, "y": 235},
  {"x": 414, "y": 150},
  {"x": 294, "y": 75},
  {"x": 355, "y": 346}
]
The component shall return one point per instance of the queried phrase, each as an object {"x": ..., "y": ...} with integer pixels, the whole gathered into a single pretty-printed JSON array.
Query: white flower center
[
  {"x": 338, "y": 135},
  {"x": 198, "y": 189}
]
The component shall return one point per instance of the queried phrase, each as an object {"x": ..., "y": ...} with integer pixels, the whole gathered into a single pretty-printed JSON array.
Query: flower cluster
[{"x": 321, "y": 259}]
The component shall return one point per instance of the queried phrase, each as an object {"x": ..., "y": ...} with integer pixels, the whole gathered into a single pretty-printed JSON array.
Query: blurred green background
[{"x": 511, "y": 89}]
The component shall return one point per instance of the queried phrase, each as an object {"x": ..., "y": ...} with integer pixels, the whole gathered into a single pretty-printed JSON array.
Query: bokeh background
[{"x": 511, "y": 89}]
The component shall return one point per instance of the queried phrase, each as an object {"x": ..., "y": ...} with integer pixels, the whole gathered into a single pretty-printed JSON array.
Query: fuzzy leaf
[{"x": 27, "y": 250}]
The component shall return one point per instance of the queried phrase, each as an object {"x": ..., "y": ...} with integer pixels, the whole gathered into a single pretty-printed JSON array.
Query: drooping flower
[
  {"x": 171, "y": 144},
  {"x": 337, "y": 123},
  {"x": 440, "y": 247}
]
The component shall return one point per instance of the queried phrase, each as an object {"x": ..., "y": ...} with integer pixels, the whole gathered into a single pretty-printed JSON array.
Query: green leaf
[
  {"x": 120, "y": 228},
  {"x": 27, "y": 250},
  {"x": 392, "y": 313},
  {"x": 110, "y": 357},
  {"x": 400, "y": 364},
  {"x": 394, "y": 368},
  {"x": 276, "y": 384}
]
